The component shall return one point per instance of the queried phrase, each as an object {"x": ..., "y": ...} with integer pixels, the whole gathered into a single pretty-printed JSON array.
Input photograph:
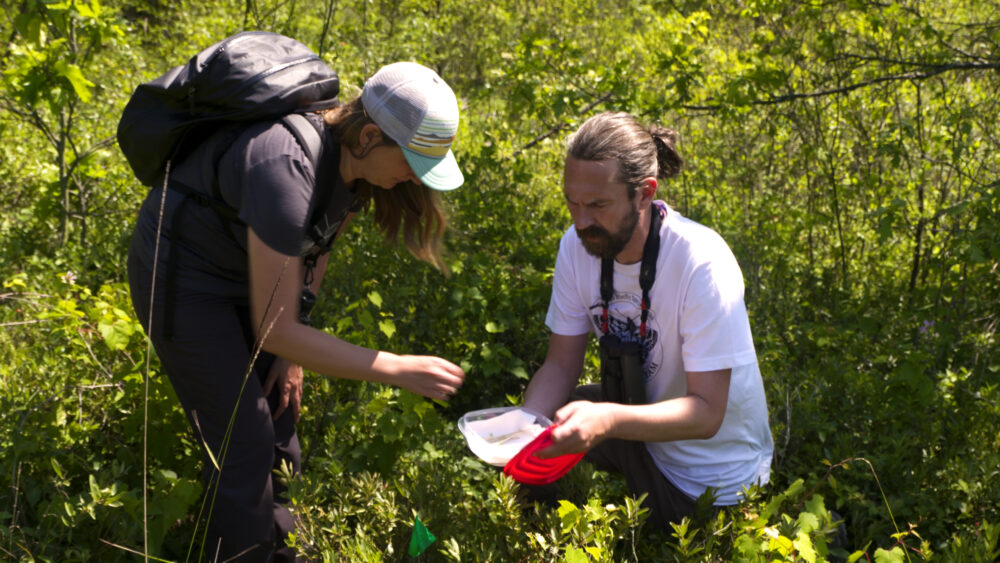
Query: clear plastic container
[{"x": 496, "y": 435}]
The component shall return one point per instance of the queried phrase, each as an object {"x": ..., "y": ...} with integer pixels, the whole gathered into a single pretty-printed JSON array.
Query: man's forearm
[
  {"x": 683, "y": 418},
  {"x": 583, "y": 424},
  {"x": 697, "y": 415}
]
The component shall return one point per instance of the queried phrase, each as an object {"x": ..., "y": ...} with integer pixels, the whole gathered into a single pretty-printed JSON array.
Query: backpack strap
[
  {"x": 312, "y": 144},
  {"x": 307, "y": 136}
]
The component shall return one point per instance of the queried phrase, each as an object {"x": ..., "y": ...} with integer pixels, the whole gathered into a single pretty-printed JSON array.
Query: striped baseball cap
[{"x": 417, "y": 109}]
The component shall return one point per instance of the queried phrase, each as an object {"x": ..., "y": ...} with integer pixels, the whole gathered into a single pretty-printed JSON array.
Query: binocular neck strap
[{"x": 647, "y": 273}]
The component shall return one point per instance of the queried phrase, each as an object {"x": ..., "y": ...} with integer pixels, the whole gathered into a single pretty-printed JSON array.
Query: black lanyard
[{"x": 647, "y": 272}]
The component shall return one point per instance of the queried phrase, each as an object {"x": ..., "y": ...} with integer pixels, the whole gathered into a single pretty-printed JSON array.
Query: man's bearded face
[{"x": 604, "y": 244}]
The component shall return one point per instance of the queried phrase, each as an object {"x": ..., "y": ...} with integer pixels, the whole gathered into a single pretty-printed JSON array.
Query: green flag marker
[{"x": 421, "y": 538}]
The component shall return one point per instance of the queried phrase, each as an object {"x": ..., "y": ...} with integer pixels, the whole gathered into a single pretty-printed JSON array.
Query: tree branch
[
  {"x": 932, "y": 70},
  {"x": 102, "y": 144},
  {"x": 560, "y": 126}
]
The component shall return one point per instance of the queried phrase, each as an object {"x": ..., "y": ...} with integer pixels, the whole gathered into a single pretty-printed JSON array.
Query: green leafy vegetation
[{"x": 849, "y": 152}]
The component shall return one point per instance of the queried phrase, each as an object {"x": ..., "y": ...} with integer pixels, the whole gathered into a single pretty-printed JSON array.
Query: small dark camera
[{"x": 307, "y": 300}]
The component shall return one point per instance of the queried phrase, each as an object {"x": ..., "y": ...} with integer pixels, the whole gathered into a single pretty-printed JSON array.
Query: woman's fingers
[
  {"x": 433, "y": 377},
  {"x": 295, "y": 398},
  {"x": 451, "y": 378},
  {"x": 288, "y": 377}
]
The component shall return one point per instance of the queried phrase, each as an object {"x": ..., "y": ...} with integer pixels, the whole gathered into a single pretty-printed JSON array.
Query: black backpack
[{"x": 250, "y": 76}]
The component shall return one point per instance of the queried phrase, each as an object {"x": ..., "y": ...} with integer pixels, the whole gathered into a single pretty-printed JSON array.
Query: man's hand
[
  {"x": 581, "y": 426},
  {"x": 288, "y": 377},
  {"x": 695, "y": 416}
]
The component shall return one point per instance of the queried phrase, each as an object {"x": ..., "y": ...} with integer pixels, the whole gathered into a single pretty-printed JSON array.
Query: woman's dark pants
[{"x": 207, "y": 362}]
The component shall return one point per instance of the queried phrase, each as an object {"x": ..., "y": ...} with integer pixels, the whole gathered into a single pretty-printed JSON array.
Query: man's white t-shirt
[{"x": 697, "y": 322}]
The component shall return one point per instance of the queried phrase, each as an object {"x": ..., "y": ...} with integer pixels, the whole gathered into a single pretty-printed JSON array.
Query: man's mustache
[{"x": 592, "y": 231}]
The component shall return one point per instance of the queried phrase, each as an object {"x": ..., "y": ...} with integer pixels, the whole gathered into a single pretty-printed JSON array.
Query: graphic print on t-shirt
[{"x": 624, "y": 316}]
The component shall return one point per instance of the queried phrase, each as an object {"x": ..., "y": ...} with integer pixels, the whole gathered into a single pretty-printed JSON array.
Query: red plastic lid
[{"x": 527, "y": 468}]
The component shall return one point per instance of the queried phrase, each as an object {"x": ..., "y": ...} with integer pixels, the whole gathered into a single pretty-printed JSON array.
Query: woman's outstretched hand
[{"x": 430, "y": 376}]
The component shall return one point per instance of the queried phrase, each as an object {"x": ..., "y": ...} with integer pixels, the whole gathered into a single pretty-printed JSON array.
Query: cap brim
[{"x": 441, "y": 174}]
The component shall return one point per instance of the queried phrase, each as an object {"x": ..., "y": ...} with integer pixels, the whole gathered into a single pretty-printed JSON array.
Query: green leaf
[
  {"x": 795, "y": 488},
  {"x": 375, "y": 298},
  {"x": 16, "y": 283},
  {"x": 95, "y": 490},
  {"x": 520, "y": 373},
  {"x": 815, "y": 505},
  {"x": 387, "y": 327},
  {"x": 782, "y": 545},
  {"x": 30, "y": 27},
  {"x": 211, "y": 455},
  {"x": 366, "y": 319},
  {"x": 807, "y": 522},
  {"x": 89, "y": 11},
  {"x": 576, "y": 555},
  {"x": 896, "y": 555},
  {"x": 74, "y": 75},
  {"x": 569, "y": 514},
  {"x": 116, "y": 334},
  {"x": 57, "y": 468},
  {"x": 747, "y": 547},
  {"x": 804, "y": 545}
]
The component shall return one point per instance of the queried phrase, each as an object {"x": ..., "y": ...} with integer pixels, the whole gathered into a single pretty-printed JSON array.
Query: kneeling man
[{"x": 681, "y": 406}]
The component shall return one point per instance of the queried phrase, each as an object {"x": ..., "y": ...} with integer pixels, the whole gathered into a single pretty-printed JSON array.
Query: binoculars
[{"x": 622, "y": 379}]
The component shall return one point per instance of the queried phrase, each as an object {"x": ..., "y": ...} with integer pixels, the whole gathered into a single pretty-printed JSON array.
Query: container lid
[{"x": 527, "y": 468}]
